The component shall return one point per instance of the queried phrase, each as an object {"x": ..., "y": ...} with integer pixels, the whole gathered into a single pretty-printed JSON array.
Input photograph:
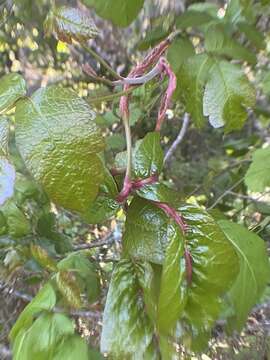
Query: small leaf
[
  {"x": 193, "y": 18},
  {"x": 12, "y": 87},
  {"x": 7, "y": 180},
  {"x": 227, "y": 95},
  {"x": 17, "y": 223},
  {"x": 192, "y": 77},
  {"x": 68, "y": 287},
  {"x": 120, "y": 12},
  {"x": 115, "y": 142},
  {"x": 258, "y": 175},
  {"x": 127, "y": 331},
  {"x": 59, "y": 141},
  {"x": 44, "y": 300},
  {"x": 253, "y": 275},
  {"x": 173, "y": 287},
  {"x": 43, "y": 258},
  {"x": 148, "y": 158},
  {"x": 70, "y": 23},
  {"x": 101, "y": 210},
  {"x": 41, "y": 339},
  {"x": 4, "y": 137}
]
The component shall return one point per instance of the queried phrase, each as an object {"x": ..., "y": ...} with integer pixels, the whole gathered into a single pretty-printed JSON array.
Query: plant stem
[
  {"x": 129, "y": 147},
  {"x": 112, "y": 96},
  {"x": 101, "y": 61}
]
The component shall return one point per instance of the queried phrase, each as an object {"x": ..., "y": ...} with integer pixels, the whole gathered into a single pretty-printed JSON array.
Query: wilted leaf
[
  {"x": 12, "y": 87},
  {"x": 69, "y": 23},
  {"x": 59, "y": 141},
  {"x": 7, "y": 180},
  {"x": 253, "y": 275},
  {"x": 127, "y": 330},
  {"x": 258, "y": 175},
  {"x": 120, "y": 12},
  {"x": 227, "y": 94}
]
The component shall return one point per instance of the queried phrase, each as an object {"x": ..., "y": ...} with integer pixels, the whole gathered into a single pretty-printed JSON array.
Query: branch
[{"x": 179, "y": 138}]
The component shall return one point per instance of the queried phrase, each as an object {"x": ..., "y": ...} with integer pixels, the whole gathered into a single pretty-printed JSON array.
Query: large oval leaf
[{"x": 59, "y": 141}]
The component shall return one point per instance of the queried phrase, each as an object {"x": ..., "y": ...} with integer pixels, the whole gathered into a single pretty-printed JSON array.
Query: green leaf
[
  {"x": 101, "y": 210},
  {"x": 193, "y": 18},
  {"x": 192, "y": 77},
  {"x": 120, "y": 12},
  {"x": 227, "y": 94},
  {"x": 41, "y": 339},
  {"x": 173, "y": 287},
  {"x": 70, "y": 23},
  {"x": 116, "y": 142},
  {"x": 258, "y": 175},
  {"x": 59, "y": 142},
  {"x": 7, "y": 180},
  {"x": 44, "y": 300},
  {"x": 218, "y": 42},
  {"x": 17, "y": 223},
  {"x": 85, "y": 272},
  {"x": 71, "y": 348},
  {"x": 159, "y": 192},
  {"x": 148, "y": 159},
  {"x": 4, "y": 136},
  {"x": 127, "y": 330},
  {"x": 252, "y": 34},
  {"x": 253, "y": 275},
  {"x": 69, "y": 288},
  {"x": 179, "y": 51},
  {"x": 43, "y": 258},
  {"x": 12, "y": 88}
]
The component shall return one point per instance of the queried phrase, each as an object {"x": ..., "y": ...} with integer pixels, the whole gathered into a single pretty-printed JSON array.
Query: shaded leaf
[
  {"x": 43, "y": 258},
  {"x": 12, "y": 87},
  {"x": 17, "y": 223},
  {"x": 4, "y": 137},
  {"x": 68, "y": 287},
  {"x": 70, "y": 23},
  {"x": 227, "y": 95},
  {"x": 7, "y": 180},
  {"x": 258, "y": 175},
  {"x": 179, "y": 51},
  {"x": 127, "y": 330},
  {"x": 252, "y": 34},
  {"x": 253, "y": 275},
  {"x": 44, "y": 300},
  {"x": 59, "y": 142},
  {"x": 120, "y": 12}
]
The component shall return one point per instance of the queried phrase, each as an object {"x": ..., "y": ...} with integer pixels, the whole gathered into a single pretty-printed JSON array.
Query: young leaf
[
  {"x": 7, "y": 180},
  {"x": 192, "y": 77},
  {"x": 127, "y": 330},
  {"x": 44, "y": 300},
  {"x": 12, "y": 87},
  {"x": 173, "y": 287},
  {"x": 41, "y": 339},
  {"x": 70, "y": 23},
  {"x": 258, "y": 174},
  {"x": 59, "y": 142},
  {"x": 148, "y": 158},
  {"x": 253, "y": 275},
  {"x": 227, "y": 95},
  {"x": 120, "y": 12},
  {"x": 4, "y": 137}
]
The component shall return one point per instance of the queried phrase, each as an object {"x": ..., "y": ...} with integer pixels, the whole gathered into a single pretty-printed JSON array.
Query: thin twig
[
  {"x": 107, "y": 241},
  {"x": 179, "y": 138}
]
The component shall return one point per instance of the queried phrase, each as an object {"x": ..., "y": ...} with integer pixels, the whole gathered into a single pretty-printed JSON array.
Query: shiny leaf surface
[{"x": 59, "y": 142}]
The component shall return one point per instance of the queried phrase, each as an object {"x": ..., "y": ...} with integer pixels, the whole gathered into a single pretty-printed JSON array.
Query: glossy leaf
[
  {"x": 68, "y": 287},
  {"x": 148, "y": 158},
  {"x": 127, "y": 330},
  {"x": 253, "y": 275},
  {"x": 4, "y": 136},
  {"x": 44, "y": 300},
  {"x": 70, "y": 23},
  {"x": 227, "y": 95},
  {"x": 12, "y": 87},
  {"x": 258, "y": 175},
  {"x": 41, "y": 339},
  {"x": 59, "y": 142},
  {"x": 7, "y": 180},
  {"x": 173, "y": 287},
  {"x": 192, "y": 77},
  {"x": 120, "y": 12}
]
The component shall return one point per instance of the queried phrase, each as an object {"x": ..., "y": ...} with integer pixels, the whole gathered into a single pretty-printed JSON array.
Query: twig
[
  {"x": 179, "y": 138},
  {"x": 107, "y": 241}
]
